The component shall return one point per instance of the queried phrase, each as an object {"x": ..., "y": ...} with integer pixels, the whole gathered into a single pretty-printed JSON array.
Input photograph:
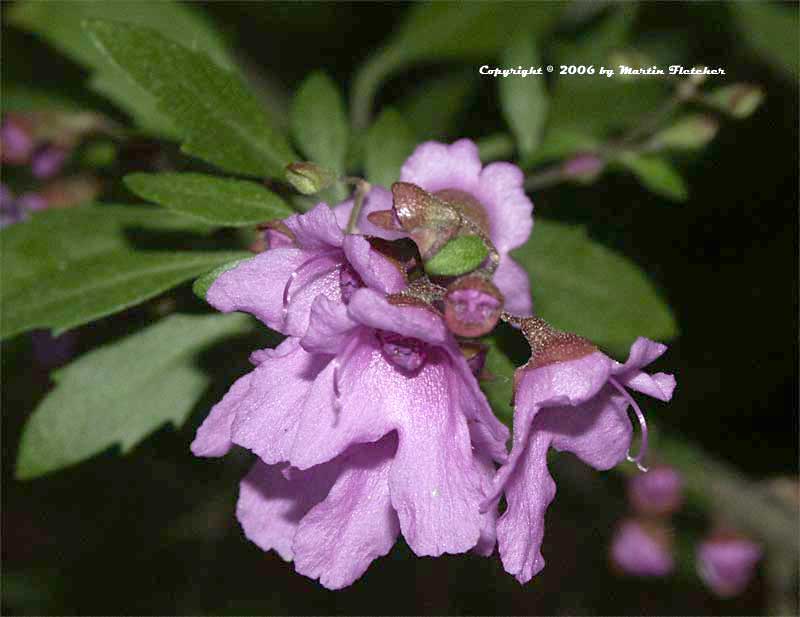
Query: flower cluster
[{"x": 368, "y": 419}]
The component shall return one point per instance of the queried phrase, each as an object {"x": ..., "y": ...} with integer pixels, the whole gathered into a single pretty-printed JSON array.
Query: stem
[
  {"x": 547, "y": 177},
  {"x": 362, "y": 188}
]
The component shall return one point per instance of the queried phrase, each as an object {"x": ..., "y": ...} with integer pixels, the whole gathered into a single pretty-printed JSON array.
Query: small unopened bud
[
  {"x": 738, "y": 100},
  {"x": 691, "y": 132},
  {"x": 658, "y": 492},
  {"x": 31, "y": 201},
  {"x": 47, "y": 161},
  {"x": 472, "y": 306},
  {"x": 428, "y": 221},
  {"x": 583, "y": 167},
  {"x": 16, "y": 141},
  {"x": 643, "y": 549},
  {"x": 309, "y": 178},
  {"x": 727, "y": 563}
]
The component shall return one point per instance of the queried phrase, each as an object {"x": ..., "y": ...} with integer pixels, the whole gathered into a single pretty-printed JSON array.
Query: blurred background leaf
[{"x": 388, "y": 143}]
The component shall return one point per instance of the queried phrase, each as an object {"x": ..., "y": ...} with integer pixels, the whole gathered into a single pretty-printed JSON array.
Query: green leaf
[
  {"x": 319, "y": 122},
  {"x": 560, "y": 142},
  {"x": 217, "y": 201},
  {"x": 584, "y": 287},
  {"x": 220, "y": 120},
  {"x": 388, "y": 144},
  {"x": 120, "y": 393},
  {"x": 201, "y": 286},
  {"x": 499, "y": 387},
  {"x": 437, "y": 104},
  {"x": 64, "y": 268},
  {"x": 656, "y": 174},
  {"x": 772, "y": 31},
  {"x": 459, "y": 256},
  {"x": 60, "y": 24},
  {"x": 524, "y": 99}
]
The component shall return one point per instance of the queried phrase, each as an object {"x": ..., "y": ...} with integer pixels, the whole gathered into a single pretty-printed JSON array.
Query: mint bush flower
[
  {"x": 571, "y": 397},
  {"x": 727, "y": 564},
  {"x": 376, "y": 399},
  {"x": 492, "y": 196},
  {"x": 311, "y": 256},
  {"x": 642, "y": 548}
]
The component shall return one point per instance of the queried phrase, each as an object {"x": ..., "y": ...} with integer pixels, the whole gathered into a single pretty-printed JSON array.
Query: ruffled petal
[
  {"x": 375, "y": 270},
  {"x": 512, "y": 280},
  {"x": 377, "y": 199},
  {"x": 371, "y": 394},
  {"x": 436, "y": 166},
  {"x": 510, "y": 212},
  {"x": 482, "y": 459},
  {"x": 317, "y": 229},
  {"x": 213, "y": 438},
  {"x": 259, "y": 286},
  {"x": 434, "y": 483},
  {"x": 329, "y": 328},
  {"x": 373, "y": 310},
  {"x": 598, "y": 431},
  {"x": 660, "y": 385},
  {"x": 355, "y": 524},
  {"x": 267, "y": 418},
  {"x": 271, "y": 504},
  {"x": 520, "y": 529},
  {"x": 644, "y": 352}
]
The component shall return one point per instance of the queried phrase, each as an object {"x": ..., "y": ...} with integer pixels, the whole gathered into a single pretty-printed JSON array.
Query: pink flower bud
[
  {"x": 47, "y": 161},
  {"x": 658, "y": 492},
  {"x": 583, "y": 167},
  {"x": 642, "y": 549},
  {"x": 472, "y": 306},
  {"x": 16, "y": 142},
  {"x": 727, "y": 564}
]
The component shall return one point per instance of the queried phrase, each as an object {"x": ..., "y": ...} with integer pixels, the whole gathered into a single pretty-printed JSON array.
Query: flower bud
[
  {"x": 47, "y": 161},
  {"x": 738, "y": 100},
  {"x": 16, "y": 141},
  {"x": 309, "y": 178},
  {"x": 727, "y": 563},
  {"x": 583, "y": 167},
  {"x": 31, "y": 201},
  {"x": 10, "y": 210},
  {"x": 658, "y": 492},
  {"x": 472, "y": 306},
  {"x": 691, "y": 132},
  {"x": 642, "y": 549},
  {"x": 428, "y": 221}
]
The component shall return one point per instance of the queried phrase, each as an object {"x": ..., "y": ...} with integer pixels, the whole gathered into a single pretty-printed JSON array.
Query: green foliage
[
  {"x": 459, "y": 256},
  {"x": 583, "y": 287},
  {"x": 498, "y": 386},
  {"x": 389, "y": 142},
  {"x": 217, "y": 201},
  {"x": 218, "y": 118},
  {"x": 120, "y": 393},
  {"x": 656, "y": 174},
  {"x": 60, "y": 24},
  {"x": 319, "y": 122},
  {"x": 65, "y": 268},
  {"x": 771, "y": 30},
  {"x": 524, "y": 99}
]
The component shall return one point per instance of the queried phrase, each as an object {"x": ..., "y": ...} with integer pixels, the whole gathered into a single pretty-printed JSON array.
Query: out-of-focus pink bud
[
  {"x": 472, "y": 306},
  {"x": 47, "y": 161},
  {"x": 642, "y": 549},
  {"x": 727, "y": 563},
  {"x": 16, "y": 141},
  {"x": 658, "y": 492},
  {"x": 583, "y": 167}
]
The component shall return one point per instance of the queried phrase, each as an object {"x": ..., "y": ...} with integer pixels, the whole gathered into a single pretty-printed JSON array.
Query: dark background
[{"x": 154, "y": 532}]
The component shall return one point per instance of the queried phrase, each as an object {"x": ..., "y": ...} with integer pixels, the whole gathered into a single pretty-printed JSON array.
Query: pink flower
[
  {"x": 571, "y": 397},
  {"x": 310, "y": 255},
  {"x": 641, "y": 549},
  {"x": 384, "y": 428},
  {"x": 493, "y": 196},
  {"x": 727, "y": 564}
]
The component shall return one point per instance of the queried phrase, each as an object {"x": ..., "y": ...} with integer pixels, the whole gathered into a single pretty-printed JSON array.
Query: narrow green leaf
[
  {"x": 459, "y": 256},
  {"x": 437, "y": 104},
  {"x": 388, "y": 144},
  {"x": 319, "y": 122},
  {"x": 218, "y": 117},
  {"x": 524, "y": 99},
  {"x": 656, "y": 174},
  {"x": 120, "y": 393},
  {"x": 65, "y": 268},
  {"x": 581, "y": 286},
  {"x": 217, "y": 201},
  {"x": 201, "y": 286},
  {"x": 60, "y": 24}
]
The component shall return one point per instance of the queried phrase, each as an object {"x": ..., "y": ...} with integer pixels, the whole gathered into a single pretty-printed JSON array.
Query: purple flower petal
[
  {"x": 374, "y": 311},
  {"x": 435, "y": 166},
  {"x": 377, "y": 199},
  {"x": 355, "y": 524},
  {"x": 213, "y": 438},
  {"x": 375, "y": 270},
  {"x": 271, "y": 504},
  {"x": 510, "y": 211},
  {"x": 329, "y": 328},
  {"x": 512, "y": 280},
  {"x": 317, "y": 229}
]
